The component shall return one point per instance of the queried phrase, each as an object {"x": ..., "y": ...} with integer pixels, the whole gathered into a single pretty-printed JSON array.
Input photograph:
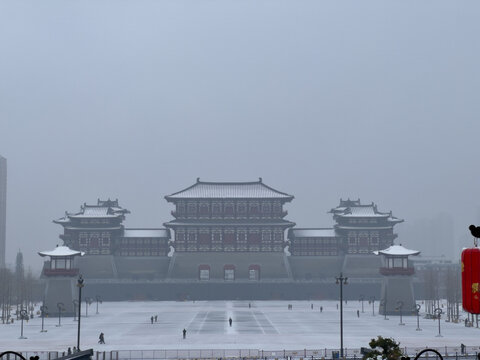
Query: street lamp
[
  {"x": 60, "y": 307},
  {"x": 341, "y": 280},
  {"x": 361, "y": 300},
  {"x": 399, "y": 308},
  {"x": 75, "y": 304},
  {"x": 80, "y": 286},
  {"x": 88, "y": 301},
  {"x": 383, "y": 304},
  {"x": 438, "y": 312},
  {"x": 23, "y": 316},
  {"x": 43, "y": 311},
  {"x": 416, "y": 308},
  {"x": 99, "y": 300}
]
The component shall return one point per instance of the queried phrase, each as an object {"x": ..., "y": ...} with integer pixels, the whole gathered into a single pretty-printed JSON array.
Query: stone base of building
[{"x": 397, "y": 290}]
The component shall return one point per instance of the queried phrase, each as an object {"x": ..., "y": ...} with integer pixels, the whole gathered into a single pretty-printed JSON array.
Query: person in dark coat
[
  {"x": 101, "y": 339},
  {"x": 184, "y": 333},
  {"x": 230, "y": 321}
]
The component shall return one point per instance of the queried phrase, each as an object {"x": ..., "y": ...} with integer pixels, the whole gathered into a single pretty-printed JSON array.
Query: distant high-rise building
[{"x": 3, "y": 209}]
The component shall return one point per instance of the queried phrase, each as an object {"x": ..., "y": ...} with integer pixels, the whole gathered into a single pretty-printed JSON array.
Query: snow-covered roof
[
  {"x": 397, "y": 250},
  {"x": 147, "y": 233},
  {"x": 312, "y": 232},
  {"x": 103, "y": 209},
  {"x": 61, "y": 251},
  {"x": 353, "y": 208},
  {"x": 229, "y": 190}
]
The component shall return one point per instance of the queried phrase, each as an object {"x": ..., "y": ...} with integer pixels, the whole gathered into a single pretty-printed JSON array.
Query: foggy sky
[{"x": 322, "y": 99}]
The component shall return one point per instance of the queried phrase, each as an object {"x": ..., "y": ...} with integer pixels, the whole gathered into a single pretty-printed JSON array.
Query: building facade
[
  {"x": 229, "y": 217},
  {"x": 358, "y": 229},
  {"x": 3, "y": 209},
  {"x": 98, "y": 230}
]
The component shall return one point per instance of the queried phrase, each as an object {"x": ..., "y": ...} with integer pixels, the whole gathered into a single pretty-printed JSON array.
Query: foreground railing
[{"x": 469, "y": 353}]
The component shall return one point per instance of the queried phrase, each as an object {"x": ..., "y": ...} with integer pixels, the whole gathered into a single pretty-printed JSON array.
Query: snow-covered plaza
[{"x": 266, "y": 325}]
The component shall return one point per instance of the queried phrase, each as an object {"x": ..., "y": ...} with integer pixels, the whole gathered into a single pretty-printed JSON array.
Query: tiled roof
[
  {"x": 229, "y": 190},
  {"x": 353, "y": 208},
  {"x": 61, "y": 251},
  {"x": 397, "y": 250},
  {"x": 319, "y": 232},
  {"x": 150, "y": 233},
  {"x": 103, "y": 209}
]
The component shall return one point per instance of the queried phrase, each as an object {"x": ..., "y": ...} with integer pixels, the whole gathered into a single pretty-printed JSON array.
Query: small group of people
[
  {"x": 290, "y": 307},
  {"x": 71, "y": 351},
  {"x": 153, "y": 318}
]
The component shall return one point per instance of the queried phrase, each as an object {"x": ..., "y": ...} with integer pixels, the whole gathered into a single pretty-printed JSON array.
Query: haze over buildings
[
  {"x": 3, "y": 208},
  {"x": 132, "y": 100}
]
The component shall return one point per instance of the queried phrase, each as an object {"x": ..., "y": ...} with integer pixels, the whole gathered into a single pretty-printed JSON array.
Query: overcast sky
[{"x": 323, "y": 99}]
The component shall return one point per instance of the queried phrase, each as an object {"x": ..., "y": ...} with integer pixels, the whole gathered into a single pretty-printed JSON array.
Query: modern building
[{"x": 3, "y": 209}]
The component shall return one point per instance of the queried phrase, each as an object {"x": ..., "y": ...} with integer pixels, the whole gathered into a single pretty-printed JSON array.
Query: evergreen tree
[{"x": 387, "y": 348}]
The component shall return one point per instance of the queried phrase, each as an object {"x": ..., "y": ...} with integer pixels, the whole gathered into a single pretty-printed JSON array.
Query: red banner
[{"x": 471, "y": 280}]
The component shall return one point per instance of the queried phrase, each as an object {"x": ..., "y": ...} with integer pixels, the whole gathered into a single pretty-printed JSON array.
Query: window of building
[
  {"x": 229, "y": 209},
  {"x": 216, "y": 209},
  {"x": 229, "y": 274},
  {"x": 203, "y": 209},
  {"x": 192, "y": 208},
  {"x": 242, "y": 208},
  {"x": 266, "y": 208},
  {"x": 254, "y": 272},
  {"x": 181, "y": 208},
  {"x": 204, "y": 274}
]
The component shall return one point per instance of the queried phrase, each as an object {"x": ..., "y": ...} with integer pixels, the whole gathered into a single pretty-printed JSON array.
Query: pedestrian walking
[
  {"x": 69, "y": 351},
  {"x": 230, "y": 321},
  {"x": 156, "y": 317},
  {"x": 74, "y": 349},
  {"x": 151, "y": 319},
  {"x": 358, "y": 313},
  {"x": 321, "y": 308},
  {"x": 311, "y": 306},
  {"x": 184, "y": 333},
  {"x": 101, "y": 338}
]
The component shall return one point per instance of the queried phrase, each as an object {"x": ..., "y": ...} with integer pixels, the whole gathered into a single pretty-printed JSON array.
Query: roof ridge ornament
[
  {"x": 260, "y": 180},
  {"x": 198, "y": 180}
]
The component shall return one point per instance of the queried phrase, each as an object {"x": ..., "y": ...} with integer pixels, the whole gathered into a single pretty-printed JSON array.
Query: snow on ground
[{"x": 267, "y": 325}]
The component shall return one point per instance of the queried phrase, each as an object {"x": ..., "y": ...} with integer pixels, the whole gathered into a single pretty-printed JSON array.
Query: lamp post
[
  {"x": 80, "y": 286},
  {"x": 416, "y": 308},
  {"x": 361, "y": 300},
  {"x": 99, "y": 300},
  {"x": 60, "y": 307},
  {"x": 438, "y": 312},
  {"x": 88, "y": 301},
  {"x": 341, "y": 280},
  {"x": 23, "y": 316},
  {"x": 75, "y": 304},
  {"x": 43, "y": 311},
  {"x": 373, "y": 305},
  {"x": 399, "y": 308},
  {"x": 383, "y": 304}
]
